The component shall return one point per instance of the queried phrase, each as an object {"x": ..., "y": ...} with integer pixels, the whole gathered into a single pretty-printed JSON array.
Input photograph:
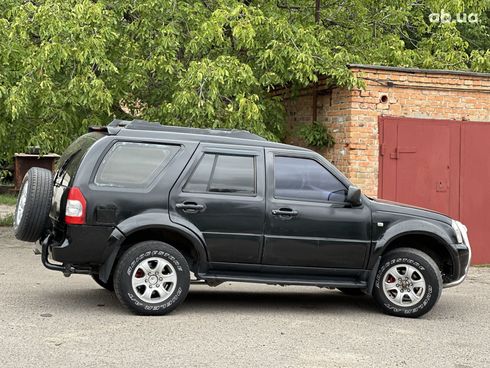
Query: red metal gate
[{"x": 441, "y": 165}]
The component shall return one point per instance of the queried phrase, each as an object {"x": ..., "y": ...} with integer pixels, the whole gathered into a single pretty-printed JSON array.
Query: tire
[
  {"x": 109, "y": 285},
  {"x": 151, "y": 278},
  {"x": 352, "y": 291},
  {"x": 31, "y": 215},
  {"x": 408, "y": 283}
]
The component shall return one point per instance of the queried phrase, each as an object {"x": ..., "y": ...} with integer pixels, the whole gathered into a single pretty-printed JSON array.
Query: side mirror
[{"x": 354, "y": 196}]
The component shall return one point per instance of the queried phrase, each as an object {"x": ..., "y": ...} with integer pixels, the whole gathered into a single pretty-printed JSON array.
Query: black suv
[{"x": 139, "y": 206}]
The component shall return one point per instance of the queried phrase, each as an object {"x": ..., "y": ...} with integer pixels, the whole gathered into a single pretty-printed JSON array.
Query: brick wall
[
  {"x": 333, "y": 109},
  {"x": 352, "y": 116}
]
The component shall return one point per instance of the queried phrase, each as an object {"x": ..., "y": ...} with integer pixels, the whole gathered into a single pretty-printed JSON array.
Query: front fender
[
  {"x": 413, "y": 227},
  {"x": 149, "y": 220}
]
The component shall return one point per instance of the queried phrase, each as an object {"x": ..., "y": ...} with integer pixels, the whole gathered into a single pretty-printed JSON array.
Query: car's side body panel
[
  {"x": 322, "y": 234},
  {"x": 237, "y": 237},
  {"x": 231, "y": 224}
]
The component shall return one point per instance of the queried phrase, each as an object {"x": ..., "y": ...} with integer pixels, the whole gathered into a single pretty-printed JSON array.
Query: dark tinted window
[
  {"x": 223, "y": 174},
  {"x": 304, "y": 179},
  {"x": 69, "y": 161},
  {"x": 133, "y": 165},
  {"x": 199, "y": 180}
]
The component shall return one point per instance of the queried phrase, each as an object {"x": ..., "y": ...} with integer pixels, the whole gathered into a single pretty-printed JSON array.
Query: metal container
[{"x": 23, "y": 162}]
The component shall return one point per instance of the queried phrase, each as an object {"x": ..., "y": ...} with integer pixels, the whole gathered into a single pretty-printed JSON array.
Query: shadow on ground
[
  {"x": 203, "y": 299},
  {"x": 233, "y": 301}
]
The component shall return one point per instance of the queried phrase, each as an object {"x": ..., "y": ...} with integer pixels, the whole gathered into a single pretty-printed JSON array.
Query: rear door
[
  {"x": 221, "y": 194},
  {"x": 308, "y": 221}
]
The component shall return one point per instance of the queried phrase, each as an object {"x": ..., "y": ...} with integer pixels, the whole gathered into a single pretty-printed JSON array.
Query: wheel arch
[
  {"x": 432, "y": 238},
  {"x": 185, "y": 244},
  {"x": 429, "y": 243},
  {"x": 155, "y": 226}
]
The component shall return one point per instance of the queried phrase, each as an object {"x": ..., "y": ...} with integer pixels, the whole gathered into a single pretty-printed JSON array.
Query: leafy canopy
[{"x": 67, "y": 64}]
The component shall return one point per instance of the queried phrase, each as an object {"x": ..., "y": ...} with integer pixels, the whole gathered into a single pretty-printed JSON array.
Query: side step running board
[{"x": 286, "y": 280}]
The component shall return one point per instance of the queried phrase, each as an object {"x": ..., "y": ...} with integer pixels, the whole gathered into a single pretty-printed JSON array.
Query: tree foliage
[{"x": 66, "y": 64}]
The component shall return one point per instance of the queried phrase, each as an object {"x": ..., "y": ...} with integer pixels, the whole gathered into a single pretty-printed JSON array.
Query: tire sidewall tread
[
  {"x": 126, "y": 265},
  {"x": 37, "y": 206},
  {"x": 426, "y": 265}
]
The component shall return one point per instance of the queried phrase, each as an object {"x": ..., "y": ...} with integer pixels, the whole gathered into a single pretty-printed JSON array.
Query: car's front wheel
[
  {"x": 408, "y": 283},
  {"x": 152, "y": 278}
]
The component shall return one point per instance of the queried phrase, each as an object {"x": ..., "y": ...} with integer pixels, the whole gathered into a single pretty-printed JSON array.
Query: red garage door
[{"x": 441, "y": 165}]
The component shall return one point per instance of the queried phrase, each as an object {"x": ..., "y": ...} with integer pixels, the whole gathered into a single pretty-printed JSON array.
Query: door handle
[
  {"x": 285, "y": 212},
  {"x": 396, "y": 155},
  {"x": 190, "y": 207}
]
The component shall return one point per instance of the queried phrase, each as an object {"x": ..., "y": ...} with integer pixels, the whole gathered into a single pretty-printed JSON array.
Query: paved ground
[{"x": 47, "y": 320}]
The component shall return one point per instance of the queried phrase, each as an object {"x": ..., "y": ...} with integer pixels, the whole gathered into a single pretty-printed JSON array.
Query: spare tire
[{"x": 33, "y": 204}]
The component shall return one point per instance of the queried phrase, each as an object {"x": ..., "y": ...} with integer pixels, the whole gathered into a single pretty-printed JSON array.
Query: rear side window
[
  {"x": 133, "y": 165},
  {"x": 305, "y": 179},
  {"x": 220, "y": 173},
  {"x": 69, "y": 161}
]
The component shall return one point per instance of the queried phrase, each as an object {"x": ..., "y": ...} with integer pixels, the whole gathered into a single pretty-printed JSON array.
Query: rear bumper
[
  {"x": 46, "y": 247},
  {"x": 82, "y": 244},
  {"x": 83, "y": 249}
]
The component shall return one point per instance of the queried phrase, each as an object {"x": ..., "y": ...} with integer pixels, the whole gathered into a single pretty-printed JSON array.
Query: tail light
[{"x": 76, "y": 207}]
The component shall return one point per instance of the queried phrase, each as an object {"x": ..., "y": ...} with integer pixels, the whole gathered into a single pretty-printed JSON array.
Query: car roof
[{"x": 142, "y": 128}]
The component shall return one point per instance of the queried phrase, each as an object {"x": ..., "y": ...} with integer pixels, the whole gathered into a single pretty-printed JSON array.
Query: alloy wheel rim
[
  {"x": 154, "y": 280},
  {"x": 21, "y": 204},
  {"x": 404, "y": 285}
]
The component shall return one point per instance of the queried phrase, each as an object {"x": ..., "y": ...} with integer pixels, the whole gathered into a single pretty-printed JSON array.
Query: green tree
[{"x": 66, "y": 64}]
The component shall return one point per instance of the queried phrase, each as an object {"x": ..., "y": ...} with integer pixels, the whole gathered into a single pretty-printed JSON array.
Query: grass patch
[
  {"x": 8, "y": 199},
  {"x": 7, "y": 220}
]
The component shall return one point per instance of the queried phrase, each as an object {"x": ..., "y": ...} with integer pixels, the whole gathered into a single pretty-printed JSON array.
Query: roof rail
[
  {"x": 118, "y": 123},
  {"x": 146, "y": 125},
  {"x": 112, "y": 128}
]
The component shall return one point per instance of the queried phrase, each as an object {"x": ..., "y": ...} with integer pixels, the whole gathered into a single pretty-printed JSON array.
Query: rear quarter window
[
  {"x": 68, "y": 164},
  {"x": 133, "y": 165}
]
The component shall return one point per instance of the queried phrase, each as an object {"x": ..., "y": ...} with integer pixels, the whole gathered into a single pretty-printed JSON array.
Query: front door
[
  {"x": 221, "y": 195},
  {"x": 309, "y": 223}
]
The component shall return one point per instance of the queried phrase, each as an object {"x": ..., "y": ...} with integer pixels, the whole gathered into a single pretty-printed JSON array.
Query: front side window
[
  {"x": 305, "y": 179},
  {"x": 221, "y": 173},
  {"x": 133, "y": 165}
]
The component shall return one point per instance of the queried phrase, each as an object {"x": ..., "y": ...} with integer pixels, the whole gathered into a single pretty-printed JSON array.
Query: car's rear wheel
[
  {"x": 152, "y": 278},
  {"x": 33, "y": 204},
  {"x": 109, "y": 285},
  {"x": 408, "y": 283}
]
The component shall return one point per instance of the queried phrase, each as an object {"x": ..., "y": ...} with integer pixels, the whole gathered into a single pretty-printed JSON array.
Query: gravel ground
[
  {"x": 47, "y": 320},
  {"x": 6, "y": 210}
]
